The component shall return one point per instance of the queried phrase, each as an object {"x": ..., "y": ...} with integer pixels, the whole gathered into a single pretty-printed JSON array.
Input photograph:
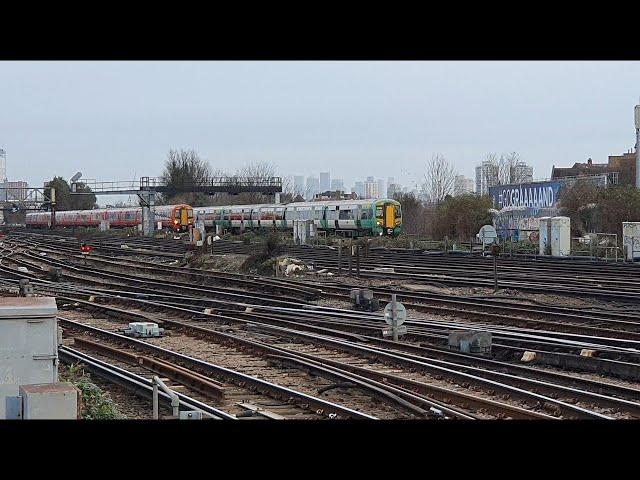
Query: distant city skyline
[{"x": 117, "y": 120}]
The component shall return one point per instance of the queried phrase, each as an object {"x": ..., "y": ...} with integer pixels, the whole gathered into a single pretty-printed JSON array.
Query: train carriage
[
  {"x": 353, "y": 217},
  {"x": 175, "y": 217}
]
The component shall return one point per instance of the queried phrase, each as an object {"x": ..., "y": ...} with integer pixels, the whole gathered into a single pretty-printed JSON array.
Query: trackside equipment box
[
  {"x": 49, "y": 401},
  {"x": 28, "y": 345}
]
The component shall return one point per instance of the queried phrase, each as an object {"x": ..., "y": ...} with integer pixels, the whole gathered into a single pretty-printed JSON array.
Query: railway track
[
  {"x": 418, "y": 376},
  {"x": 485, "y": 309},
  {"x": 480, "y": 376},
  {"x": 460, "y": 270}
]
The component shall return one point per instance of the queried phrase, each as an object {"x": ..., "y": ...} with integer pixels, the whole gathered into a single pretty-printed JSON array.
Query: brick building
[{"x": 620, "y": 168}]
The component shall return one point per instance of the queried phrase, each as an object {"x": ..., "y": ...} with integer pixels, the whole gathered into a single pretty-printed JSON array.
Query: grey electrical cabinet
[
  {"x": 28, "y": 346},
  {"x": 49, "y": 401}
]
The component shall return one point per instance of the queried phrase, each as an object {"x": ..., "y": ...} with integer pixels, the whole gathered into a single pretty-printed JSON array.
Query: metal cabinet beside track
[{"x": 28, "y": 345}]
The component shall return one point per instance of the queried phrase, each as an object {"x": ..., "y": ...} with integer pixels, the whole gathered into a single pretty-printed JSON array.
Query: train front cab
[
  {"x": 388, "y": 217},
  {"x": 183, "y": 217}
]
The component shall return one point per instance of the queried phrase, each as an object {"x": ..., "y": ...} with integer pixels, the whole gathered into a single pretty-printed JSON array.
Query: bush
[
  {"x": 96, "y": 404},
  {"x": 599, "y": 209},
  {"x": 247, "y": 237},
  {"x": 271, "y": 247}
]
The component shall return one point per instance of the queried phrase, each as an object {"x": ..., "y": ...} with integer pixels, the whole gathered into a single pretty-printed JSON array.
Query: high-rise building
[
  {"x": 462, "y": 185},
  {"x": 521, "y": 173},
  {"x": 370, "y": 188},
  {"x": 486, "y": 176},
  {"x": 337, "y": 184},
  {"x": 393, "y": 188},
  {"x": 381, "y": 190},
  {"x": 325, "y": 181},
  {"x": 359, "y": 189},
  {"x": 298, "y": 185},
  {"x": 313, "y": 187}
]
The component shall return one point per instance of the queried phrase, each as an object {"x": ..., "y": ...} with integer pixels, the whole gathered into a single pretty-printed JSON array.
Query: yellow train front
[{"x": 180, "y": 217}]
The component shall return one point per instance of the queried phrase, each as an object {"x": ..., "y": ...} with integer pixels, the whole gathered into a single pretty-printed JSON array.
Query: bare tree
[
  {"x": 503, "y": 170},
  {"x": 184, "y": 168},
  {"x": 439, "y": 179},
  {"x": 288, "y": 190},
  {"x": 255, "y": 171}
]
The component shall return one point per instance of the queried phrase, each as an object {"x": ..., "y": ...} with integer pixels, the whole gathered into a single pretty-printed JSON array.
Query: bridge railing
[{"x": 160, "y": 184}]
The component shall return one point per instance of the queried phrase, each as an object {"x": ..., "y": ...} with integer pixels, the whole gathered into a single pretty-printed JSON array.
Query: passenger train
[
  {"x": 355, "y": 217},
  {"x": 175, "y": 217}
]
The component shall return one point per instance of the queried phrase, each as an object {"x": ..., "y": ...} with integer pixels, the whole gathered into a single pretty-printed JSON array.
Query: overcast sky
[{"x": 117, "y": 120}]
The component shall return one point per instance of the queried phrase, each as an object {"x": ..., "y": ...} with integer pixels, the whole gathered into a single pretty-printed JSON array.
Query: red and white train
[{"x": 176, "y": 217}]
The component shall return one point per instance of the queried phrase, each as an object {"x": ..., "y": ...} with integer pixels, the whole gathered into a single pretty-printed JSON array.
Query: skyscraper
[
  {"x": 486, "y": 176},
  {"x": 370, "y": 188},
  {"x": 462, "y": 185},
  {"x": 393, "y": 188},
  {"x": 337, "y": 184},
  {"x": 521, "y": 173},
  {"x": 359, "y": 189},
  {"x": 381, "y": 190},
  {"x": 325, "y": 181},
  {"x": 313, "y": 187},
  {"x": 298, "y": 185}
]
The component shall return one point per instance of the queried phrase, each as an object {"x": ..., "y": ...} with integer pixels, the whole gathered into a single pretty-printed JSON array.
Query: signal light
[{"x": 85, "y": 248}]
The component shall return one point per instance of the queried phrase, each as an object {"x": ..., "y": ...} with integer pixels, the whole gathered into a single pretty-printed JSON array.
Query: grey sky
[{"x": 114, "y": 120}]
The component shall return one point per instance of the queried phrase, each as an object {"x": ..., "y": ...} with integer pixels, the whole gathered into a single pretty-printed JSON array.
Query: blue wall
[{"x": 533, "y": 195}]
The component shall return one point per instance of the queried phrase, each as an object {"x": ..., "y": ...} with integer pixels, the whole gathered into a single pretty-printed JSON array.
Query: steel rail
[
  {"x": 259, "y": 383},
  {"x": 135, "y": 382}
]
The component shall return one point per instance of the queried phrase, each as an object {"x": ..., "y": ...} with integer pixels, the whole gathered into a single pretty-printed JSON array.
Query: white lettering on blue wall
[{"x": 526, "y": 196}]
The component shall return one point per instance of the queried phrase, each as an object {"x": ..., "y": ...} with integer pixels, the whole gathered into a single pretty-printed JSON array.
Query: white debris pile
[{"x": 291, "y": 266}]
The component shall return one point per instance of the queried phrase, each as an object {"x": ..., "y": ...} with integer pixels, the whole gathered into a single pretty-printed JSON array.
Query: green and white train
[{"x": 348, "y": 217}]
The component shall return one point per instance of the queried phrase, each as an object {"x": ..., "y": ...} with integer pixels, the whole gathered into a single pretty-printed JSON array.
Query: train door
[
  {"x": 389, "y": 217},
  {"x": 331, "y": 216},
  {"x": 318, "y": 216}
]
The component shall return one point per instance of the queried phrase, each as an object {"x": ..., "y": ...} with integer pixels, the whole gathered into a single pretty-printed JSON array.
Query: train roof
[
  {"x": 299, "y": 204},
  {"x": 114, "y": 209}
]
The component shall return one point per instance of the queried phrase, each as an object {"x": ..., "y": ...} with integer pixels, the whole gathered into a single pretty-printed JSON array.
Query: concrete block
[
  {"x": 585, "y": 352},
  {"x": 528, "y": 357}
]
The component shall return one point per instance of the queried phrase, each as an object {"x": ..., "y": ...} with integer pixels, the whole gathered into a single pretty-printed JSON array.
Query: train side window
[
  {"x": 331, "y": 214},
  {"x": 365, "y": 214},
  {"x": 346, "y": 215}
]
